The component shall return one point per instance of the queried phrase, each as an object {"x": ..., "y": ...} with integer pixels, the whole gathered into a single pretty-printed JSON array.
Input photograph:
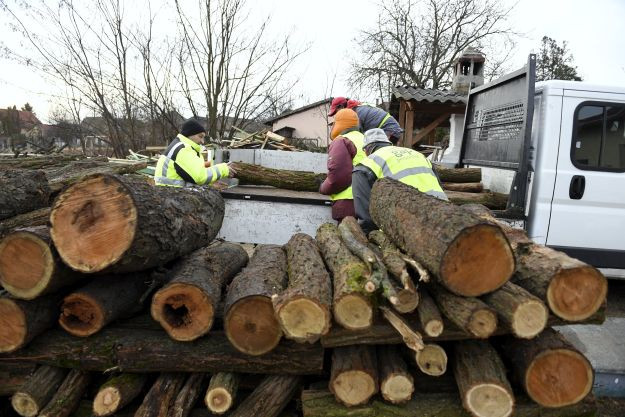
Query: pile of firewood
[
  {"x": 263, "y": 139},
  {"x": 123, "y": 304}
]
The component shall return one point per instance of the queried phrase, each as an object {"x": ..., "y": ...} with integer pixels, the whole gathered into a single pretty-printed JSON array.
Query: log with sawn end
[
  {"x": 458, "y": 175},
  {"x": 38, "y": 390},
  {"x": 354, "y": 374},
  {"x": 432, "y": 359},
  {"x": 117, "y": 392},
  {"x": 221, "y": 392},
  {"x": 396, "y": 383},
  {"x": 249, "y": 174},
  {"x": 22, "y": 321},
  {"x": 429, "y": 315}
]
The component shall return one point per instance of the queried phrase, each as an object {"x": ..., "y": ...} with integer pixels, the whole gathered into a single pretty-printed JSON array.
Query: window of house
[{"x": 599, "y": 137}]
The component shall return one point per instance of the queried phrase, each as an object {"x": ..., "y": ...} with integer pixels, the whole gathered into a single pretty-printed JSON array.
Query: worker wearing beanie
[
  {"x": 344, "y": 153},
  {"x": 387, "y": 161},
  {"x": 182, "y": 165}
]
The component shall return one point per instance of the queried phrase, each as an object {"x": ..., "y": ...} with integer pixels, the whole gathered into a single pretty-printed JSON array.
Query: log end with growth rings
[
  {"x": 478, "y": 261},
  {"x": 218, "y": 400},
  {"x": 303, "y": 320},
  {"x": 12, "y": 326},
  {"x": 24, "y": 405},
  {"x": 106, "y": 401},
  {"x": 93, "y": 223},
  {"x": 354, "y": 387},
  {"x": 183, "y": 310},
  {"x": 489, "y": 400},
  {"x": 26, "y": 264},
  {"x": 406, "y": 301},
  {"x": 432, "y": 360},
  {"x": 434, "y": 328},
  {"x": 577, "y": 293},
  {"x": 251, "y": 326},
  {"x": 530, "y": 318},
  {"x": 353, "y": 312},
  {"x": 482, "y": 323},
  {"x": 397, "y": 388},
  {"x": 81, "y": 315}
]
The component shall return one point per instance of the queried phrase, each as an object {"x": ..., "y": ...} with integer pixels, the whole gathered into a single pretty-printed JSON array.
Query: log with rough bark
[
  {"x": 429, "y": 315},
  {"x": 481, "y": 378},
  {"x": 352, "y": 305},
  {"x": 411, "y": 337},
  {"x": 187, "y": 305},
  {"x": 394, "y": 260},
  {"x": 356, "y": 241},
  {"x": 469, "y": 256},
  {"x": 30, "y": 266},
  {"x": 119, "y": 224},
  {"x": 22, "y": 321},
  {"x": 76, "y": 171},
  {"x": 22, "y": 191},
  {"x": 396, "y": 383},
  {"x": 249, "y": 174},
  {"x": 550, "y": 369},
  {"x": 137, "y": 350},
  {"x": 188, "y": 395},
  {"x": 468, "y": 187},
  {"x": 354, "y": 374},
  {"x": 249, "y": 320},
  {"x": 36, "y": 393},
  {"x": 432, "y": 359},
  {"x": 13, "y": 376},
  {"x": 221, "y": 392},
  {"x": 519, "y": 311},
  {"x": 458, "y": 174},
  {"x": 303, "y": 308},
  {"x": 161, "y": 396},
  {"x": 269, "y": 398},
  {"x": 117, "y": 392},
  {"x": 492, "y": 200},
  {"x": 67, "y": 398},
  {"x": 33, "y": 218},
  {"x": 42, "y": 162},
  {"x": 87, "y": 310}
]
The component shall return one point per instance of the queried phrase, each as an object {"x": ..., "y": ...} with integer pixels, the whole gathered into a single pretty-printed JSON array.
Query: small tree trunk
[
  {"x": 22, "y": 321},
  {"x": 481, "y": 378},
  {"x": 429, "y": 315},
  {"x": 494, "y": 201},
  {"x": 411, "y": 337},
  {"x": 269, "y": 398},
  {"x": 303, "y": 309},
  {"x": 66, "y": 399},
  {"x": 34, "y": 218},
  {"x": 187, "y": 396},
  {"x": 394, "y": 260},
  {"x": 396, "y": 383},
  {"x": 221, "y": 392},
  {"x": 249, "y": 320},
  {"x": 458, "y": 174},
  {"x": 468, "y": 187},
  {"x": 22, "y": 191},
  {"x": 354, "y": 375},
  {"x": 117, "y": 392},
  {"x": 432, "y": 359},
  {"x": 13, "y": 376},
  {"x": 38, "y": 390},
  {"x": 279, "y": 178},
  {"x": 161, "y": 396},
  {"x": 186, "y": 306}
]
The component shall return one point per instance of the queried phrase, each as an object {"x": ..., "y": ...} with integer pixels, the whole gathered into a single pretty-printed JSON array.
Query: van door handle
[{"x": 578, "y": 185}]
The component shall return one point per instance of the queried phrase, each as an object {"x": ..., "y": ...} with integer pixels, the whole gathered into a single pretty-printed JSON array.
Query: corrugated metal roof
[{"x": 428, "y": 94}]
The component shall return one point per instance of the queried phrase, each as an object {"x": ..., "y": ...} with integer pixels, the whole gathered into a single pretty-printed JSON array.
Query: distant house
[
  {"x": 18, "y": 123},
  {"x": 308, "y": 122}
]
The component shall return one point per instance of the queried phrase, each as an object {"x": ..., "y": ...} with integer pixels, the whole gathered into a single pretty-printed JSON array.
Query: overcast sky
[{"x": 594, "y": 31}]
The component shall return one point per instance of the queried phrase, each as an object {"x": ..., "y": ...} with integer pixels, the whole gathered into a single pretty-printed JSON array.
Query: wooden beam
[
  {"x": 402, "y": 113},
  {"x": 406, "y": 139},
  {"x": 426, "y": 130}
]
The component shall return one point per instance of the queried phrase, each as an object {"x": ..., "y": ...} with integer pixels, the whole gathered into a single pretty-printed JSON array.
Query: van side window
[{"x": 599, "y": 137}]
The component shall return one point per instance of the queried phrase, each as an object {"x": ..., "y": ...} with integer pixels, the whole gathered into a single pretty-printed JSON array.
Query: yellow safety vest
[
  {"x": 357, "y": 138},
  {"x": 184, "y": 154},
  {"x": 407, "y": 166}
]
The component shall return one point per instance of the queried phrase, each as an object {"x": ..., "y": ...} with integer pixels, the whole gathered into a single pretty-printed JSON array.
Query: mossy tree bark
[
  {"x": 270, "y": 397},
  {"x": 188, "y": 395},
  {"x": 38, "y": 390},
  {"x": 161, "y": 397},
  {"x": 22, "y": 191},
  {"x": 67, "y": 398}
]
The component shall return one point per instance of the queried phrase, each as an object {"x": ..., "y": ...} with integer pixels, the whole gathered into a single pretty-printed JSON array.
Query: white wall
[{"x": 309, "y": 124}]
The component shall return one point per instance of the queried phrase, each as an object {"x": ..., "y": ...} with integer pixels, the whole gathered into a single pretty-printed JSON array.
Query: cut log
[
  {"x": 458, "y": 174},
  {"x": 76, "y": 171},
  {"x": 30, "y": 266},
  {"x": 411, "y": 338},
  {"x": 31, "y": 219},
  {"x": 269, "y": 398},
  {"x": 481, "y": 378},
  {"x": 550, "y": 369},
  {"x": 117, "y": 392},
  {"x": 469, "y": 256},
  {"x": 429, "y": 315},
  {"x": 161, "y": 396},
  {"x": 469, "y": 313},
  {"x": 354, "y": 375},
  {"x": 40, "y": 162},
  {"x": 38, "y": 391},
  {"x": 118, "y": 224},
  {"x": 22, "y": 321},
  {"x": 303, "y": 309},
  {"x": 396, "y": 383},
  {"x": 221, "y": 392},
  {"x": 249, "y": 319},
  {"x": 494, "y": 201},
  {"x": 432, "y": 359},
  {"x": 187, "y": 396},
  {"x": 356, "y": 241},
  {"x": 22, "y": 191},
  {"x": 249, "y": 174},
  {"x": 468, "y": 187},
  {"x": 14, "y": 376},
  {"x": 66, "y": 399},
  {"x": 352, "y": 306},
  {"x": 86, "y": 311},
  {"x": 136, "y": 350},
  {"x": 522, "y": 313},
  {"x": 187, "y": 305}
]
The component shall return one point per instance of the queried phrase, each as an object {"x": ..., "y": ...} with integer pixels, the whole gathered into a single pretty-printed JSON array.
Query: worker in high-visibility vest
[
  {"x": 344, "y": 153},
  {"x": 369, "y": 116},
  {"x": 182, "y": 165},
  {"x": 384, "y": 160}
]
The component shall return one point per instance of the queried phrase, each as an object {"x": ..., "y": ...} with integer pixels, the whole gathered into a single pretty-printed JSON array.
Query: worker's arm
[
  {"x": 362, "y": 182},
  {"x": 340, "y": 156},
  {"x": 191, "y": 168}
]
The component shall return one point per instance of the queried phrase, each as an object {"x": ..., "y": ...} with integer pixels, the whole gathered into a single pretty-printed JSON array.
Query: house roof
[
  {"x": 298, "y": 110},
  {"x": 428, "y": 94},
  {"x": 26, "y": 117}
]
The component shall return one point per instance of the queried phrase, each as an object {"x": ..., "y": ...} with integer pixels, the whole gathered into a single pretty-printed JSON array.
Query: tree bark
[
  {"x": 354, "y": 374},
  {"x": 458, "y": 174},
  {"x": 76, "y": 171},
  {"x": 494, "y": 201},
  {"x": 396, "y": 383},
  {"x": 352, "y": 306},
  {"x": 41, "y": 162},
  {"x": 22, "y": 191},
  {"x": 249, "y": 174},
  {"x": 187, "y": 396},
  {"x": 161, "y": 396},
  {"x": 481, "y": 378},
  {"x": 468, "y": 313},
  {"x": 520, "y": 312},
  {"x": 30, "y": 266},
  {"x": 38, "y": 390},
  {"x": 187, "y": 305},
  {"x": 550, "y": 369},
  {"x": 118, "y": 224},
  {"x": 22, "y": 321},
  {"x": 411, "y": 337},
  {"x": 117, "y": 392},
  {"x": 66, "y": 399},
  {"x": 14, "y": 376},
  {"x": 249, "y": 320},
  {"x": 269, "y": 398},
  {"x": 469, "y": 256},
  {"x": 468, "y": 187},
  {"x": 432, "y": 359},
  {"x": 87, "y": 310},
  {"x": 34, "y": 218},
  {"x": 136, "y": 350},
  {"x": 303, "y": 309},
  {"x": 429, "y": 315},
  {"x": 221, "y": 392}
]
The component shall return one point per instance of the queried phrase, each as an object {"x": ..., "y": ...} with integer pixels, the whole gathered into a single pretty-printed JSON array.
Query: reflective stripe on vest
[
  {"x": 406, "y": 166},
  {"x": 388, "y": 115},
  {"x": 357, "y": 138}
]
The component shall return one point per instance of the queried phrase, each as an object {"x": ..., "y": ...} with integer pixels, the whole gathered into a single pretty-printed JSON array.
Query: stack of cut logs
[{"x": 123, "y": 304}]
